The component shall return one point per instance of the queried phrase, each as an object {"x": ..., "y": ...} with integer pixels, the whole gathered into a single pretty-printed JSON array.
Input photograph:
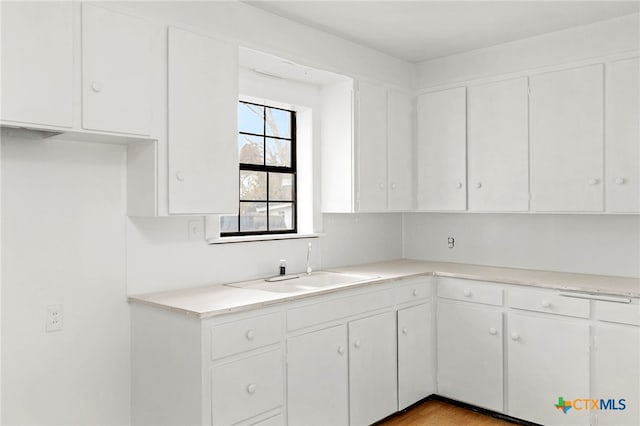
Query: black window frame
[{"x": 292, "y": 169}]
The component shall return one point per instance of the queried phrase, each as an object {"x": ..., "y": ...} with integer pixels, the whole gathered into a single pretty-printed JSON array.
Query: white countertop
[{"x": 218, "y": 299}]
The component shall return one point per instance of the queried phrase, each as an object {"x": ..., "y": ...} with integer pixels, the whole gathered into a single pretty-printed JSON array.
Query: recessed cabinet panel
[
  {"x": 372, "y": 369},
  {"x": 400, "y": 150},
  {"x": 203, "y": 153},
  {"x": 317, "y": 378},
  {"x": 441, "y": 150},
  {"x": 37, "y": 61},
  {"x": 116, "y": 72},
  {"x": 372, "y": 147},
  {"x": 498, "y": 146},
  {"x": 416, "y": 361},
  {"x": 470, "y": 356},
  {"x": 567, "y": 140},
  {"x": 548, "y": 359},
  {"x": 622, "y": 137}
]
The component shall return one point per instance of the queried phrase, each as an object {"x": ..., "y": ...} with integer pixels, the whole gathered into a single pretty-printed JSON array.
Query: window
[{"x": 267, "y": 172}]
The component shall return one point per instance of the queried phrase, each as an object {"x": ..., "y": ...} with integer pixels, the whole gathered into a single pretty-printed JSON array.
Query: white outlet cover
[{"x": 54, "y": 318}]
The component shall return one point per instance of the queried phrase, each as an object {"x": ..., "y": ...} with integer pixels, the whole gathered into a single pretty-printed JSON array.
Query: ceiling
[{"x": 421, "y": 30}]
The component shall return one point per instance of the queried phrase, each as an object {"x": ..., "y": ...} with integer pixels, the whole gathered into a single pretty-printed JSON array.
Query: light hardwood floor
[{"x": 438, "y": 413}]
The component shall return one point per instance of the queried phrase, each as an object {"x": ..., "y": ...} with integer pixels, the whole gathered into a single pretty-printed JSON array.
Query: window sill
[{"x": 249, "y": 238}]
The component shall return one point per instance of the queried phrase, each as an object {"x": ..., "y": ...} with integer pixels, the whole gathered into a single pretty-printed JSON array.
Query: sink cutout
[{"x": 303, "y": 283}]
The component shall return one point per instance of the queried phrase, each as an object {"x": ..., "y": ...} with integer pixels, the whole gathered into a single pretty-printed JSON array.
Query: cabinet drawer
[
  {"x": 618, "y": 312},
  {"x": 245, "y": 388},
  {"x": 333, "y": 309},
  {"x": 470, "y": 291},
  {"x": 243, "y": 335},
  {"x": 412, "y": 290},
  {"x": 548, "y": 302}
]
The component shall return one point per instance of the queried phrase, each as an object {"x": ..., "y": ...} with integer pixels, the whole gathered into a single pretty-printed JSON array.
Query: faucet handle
[{"x": 309, "y": 245}]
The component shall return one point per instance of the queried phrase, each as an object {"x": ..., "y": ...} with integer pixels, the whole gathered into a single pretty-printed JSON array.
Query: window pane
[
  {"x": 278, "y": 152},
  {"x": 250, "y": 118},
  {"x": 278, "y": 123},
  {"x": 253, "y": 185},
  {"x": 253, "y": 217},
  {"x": 281, "y": 186},
  {"x": 228, "y": 223},
  {"x": 280, "y": 216},
  {"x": 251, "y": 149}
]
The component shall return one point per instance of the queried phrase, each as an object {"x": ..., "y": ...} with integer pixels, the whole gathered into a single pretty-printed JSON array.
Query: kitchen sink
[{"x": 303, "y": 282}]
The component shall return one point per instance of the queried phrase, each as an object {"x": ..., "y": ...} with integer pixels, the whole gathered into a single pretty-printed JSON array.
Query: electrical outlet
[
  {"x": 54, "y": 318},
  {"x": 451, "y": 242},
  {"x": 196, "y": 230}
]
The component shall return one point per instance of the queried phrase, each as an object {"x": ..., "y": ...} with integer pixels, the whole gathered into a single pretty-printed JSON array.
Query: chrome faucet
[{"x": 308, "y": 259}]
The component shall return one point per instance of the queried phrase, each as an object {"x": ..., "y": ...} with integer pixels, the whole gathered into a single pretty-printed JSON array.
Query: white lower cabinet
[
  {"x": 416, "y": 364},
  {"x": 470, "y": 357},
  {"x": 372, "y": 369},
  {"x": 317, "y": 378},
  {"x": 616, "y": 358},
  {"x": 548, "y": 363}
]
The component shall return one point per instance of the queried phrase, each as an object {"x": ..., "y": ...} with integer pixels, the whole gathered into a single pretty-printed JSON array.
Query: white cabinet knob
[
  {"x": 620, "y": 181},
  {"x": 515, "y": 336},
  {"x": 467, "y": 293},
  {"x": 545, "y": 304},
  {"x": 415, "y": 292},
  {"x": 250, "y": 334},
  {"x": 381, "y": 185},
  {"x": 393, "y": 185},
  {"x": 479, "y": 185},
  {"x": 405, "y": 330},
  {"x": 459, "y": 185},
  {"x": 251, "y": 389},
  {"x": 96, "y": 87},
  {"x": 356, "y": 344},
  {"x": 341, "y": 350},
  {"x": 180, "y": 176},
  {"x": 594, "y": 182},
  {"x": 493, "y": 331}
]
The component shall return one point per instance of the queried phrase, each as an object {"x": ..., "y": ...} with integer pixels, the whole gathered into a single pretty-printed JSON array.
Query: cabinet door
[
  {"x": 203, "y": 98},
  {"x": 372, "y": 369},
  {"x": 37, "y": 61},
  {"x": 441, "y": 156},
  {"x": 498, "y": 146},
  {"x": 416, "y": 366},
  {"x": 372, "y": 147},
  {"x": 317, "y": 378},
  {"x": 622, "y": 137},
  {"x": 566, "y": 140},
  {"x": 400, "y": 150},
  {"x": 470, "y": 354},
  {"x": 116, "y": 72},
  {"x": 617, "y": 373},
  {"x": 548, "y": 360}
]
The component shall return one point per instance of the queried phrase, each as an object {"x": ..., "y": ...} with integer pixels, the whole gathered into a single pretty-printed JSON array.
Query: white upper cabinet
[
  {"x": 400, "y": 113},
  {"x": 498, "y": 146},
  {"x": 567, "y": 140},
  {"x": 202, "y": 98},
  {"x": 622, "y": 137},
  {"x": 116, "y": 72},
  {"x": 37, "y": 63},
  {"x": 372, "y": 147},
  {"x": 441, "y": 150}
]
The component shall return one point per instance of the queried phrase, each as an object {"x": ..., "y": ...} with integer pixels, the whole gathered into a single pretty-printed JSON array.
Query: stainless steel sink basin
[{"x": 302, "y": 282}]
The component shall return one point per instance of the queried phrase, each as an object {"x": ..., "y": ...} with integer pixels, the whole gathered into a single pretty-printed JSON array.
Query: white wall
[
  {"x": 617, "y": 35},
  {"x": 63, "y": 242},
  {"x": 594, "y": 244}
]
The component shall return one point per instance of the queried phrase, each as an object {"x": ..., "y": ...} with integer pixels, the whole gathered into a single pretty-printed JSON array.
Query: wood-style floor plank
[{"x": 438, "y": 413}]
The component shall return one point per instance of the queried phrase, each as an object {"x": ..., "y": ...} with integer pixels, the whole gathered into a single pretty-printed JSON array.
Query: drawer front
[
  {"x": 622, "y": 313},
  {"x": 245, "y": 388},
  {"x": 246, "y": 334},
  {"x": 470, "y": 291},
  {"x": 334, "y": 309},
  {"x": 414, "y": 289},
  {"x": 549, "y": 302}
]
